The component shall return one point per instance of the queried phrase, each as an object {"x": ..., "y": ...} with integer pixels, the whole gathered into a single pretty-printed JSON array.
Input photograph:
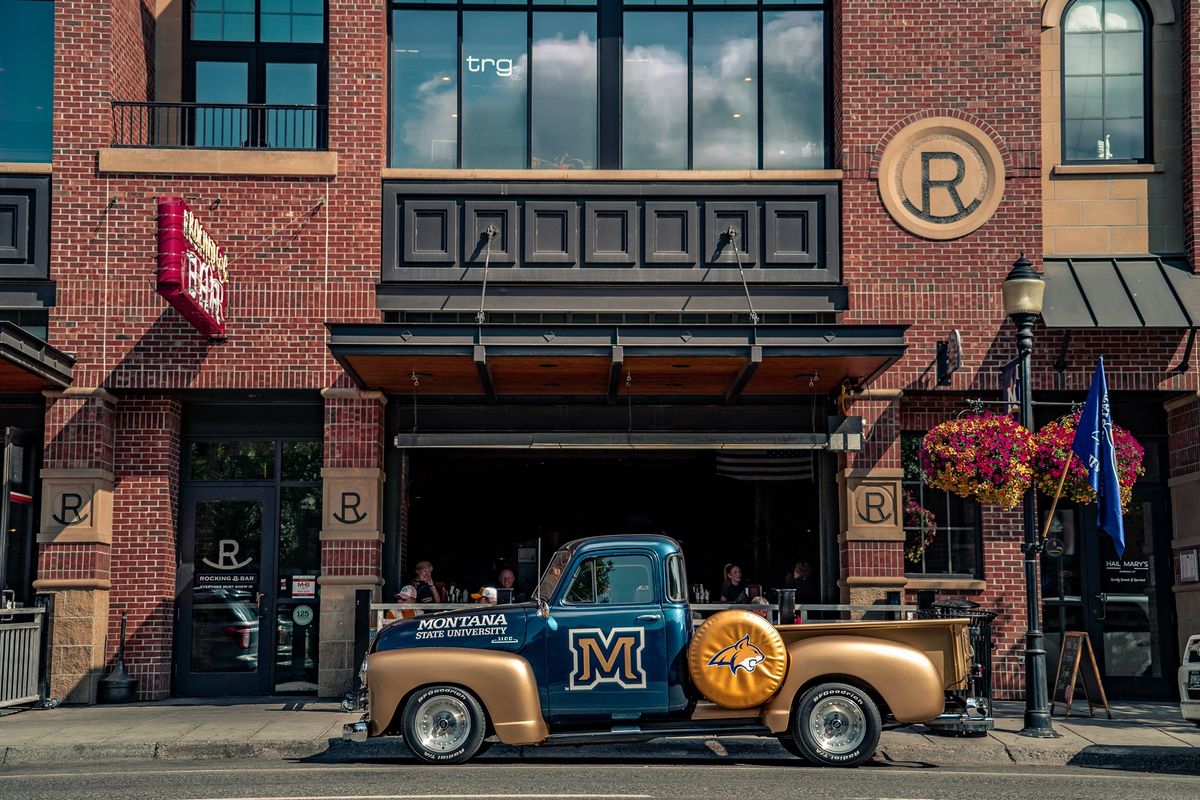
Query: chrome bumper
[{"x": 355, "y": 731}]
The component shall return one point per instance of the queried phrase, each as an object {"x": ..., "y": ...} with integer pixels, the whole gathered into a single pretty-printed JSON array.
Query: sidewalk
[{"x": 1141, "y": 736}]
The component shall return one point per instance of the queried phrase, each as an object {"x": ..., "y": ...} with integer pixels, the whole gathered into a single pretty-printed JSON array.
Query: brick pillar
[
  {"x": 871, "y": 529},
  {"x": 1183, "y": 425},
  {"x": 352, "y": 525},
  {"x": 144, "y": 540},
  {"x": 75, "y": 536}
]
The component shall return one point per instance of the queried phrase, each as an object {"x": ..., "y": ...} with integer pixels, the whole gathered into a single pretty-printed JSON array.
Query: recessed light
[
  {"x": 682, "y": 366},
  {"x": 547, "y": 366},
  {"x": 737, "y": 116},
  {"x": 445, "y": 77},
  {"x": 748, "y": 79},
  {"x": 454, "y": 116}
]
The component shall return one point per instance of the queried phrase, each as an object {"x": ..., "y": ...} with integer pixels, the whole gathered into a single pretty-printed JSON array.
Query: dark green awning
[{"x": 1128, "y": 292}]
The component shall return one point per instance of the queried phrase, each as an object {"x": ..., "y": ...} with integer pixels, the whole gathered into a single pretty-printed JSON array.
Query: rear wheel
[
  {"x": 836, "y": 725},
  {"x": 444, "y": 725}
]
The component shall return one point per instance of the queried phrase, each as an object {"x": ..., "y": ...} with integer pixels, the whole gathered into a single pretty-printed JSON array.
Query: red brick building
[{"x": 499, "y": 276}]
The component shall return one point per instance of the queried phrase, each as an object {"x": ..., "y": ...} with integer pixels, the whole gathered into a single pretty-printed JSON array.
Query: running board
[{"x": 634, "y": 733}]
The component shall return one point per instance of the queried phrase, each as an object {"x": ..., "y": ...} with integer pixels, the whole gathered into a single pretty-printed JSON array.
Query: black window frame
[
  {"x": 609, "y": 16},
  {"x": 943, "y": 528},
  {"x": 1147, "y": 88},
  {"x": 256, "y": 55}
]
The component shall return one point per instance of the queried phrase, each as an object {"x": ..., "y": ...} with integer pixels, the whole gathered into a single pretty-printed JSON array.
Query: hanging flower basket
[
  {"x": 985, "y": 457},
  {"x": 1052, "y": 444},
  {"x": 920, "y": 528}
]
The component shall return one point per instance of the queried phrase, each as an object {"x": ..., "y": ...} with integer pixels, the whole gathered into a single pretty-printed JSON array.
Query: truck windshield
[{"x": 554, "y": 572}]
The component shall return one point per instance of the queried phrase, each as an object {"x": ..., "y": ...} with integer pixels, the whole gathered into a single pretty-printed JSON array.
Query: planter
[
  {"x": 984, "y": 457},
  {"x": 1052, "y": 444}
]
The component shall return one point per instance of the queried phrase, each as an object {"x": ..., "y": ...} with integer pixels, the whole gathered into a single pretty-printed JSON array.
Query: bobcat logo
[{"x": 742, "y": 654}]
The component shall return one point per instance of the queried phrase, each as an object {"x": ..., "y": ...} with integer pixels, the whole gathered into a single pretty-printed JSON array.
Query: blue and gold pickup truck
[{"x": 607, "y": 652}]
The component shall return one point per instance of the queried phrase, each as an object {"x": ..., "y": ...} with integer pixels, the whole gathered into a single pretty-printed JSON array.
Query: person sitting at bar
[
  {"x": 506, "y": 580},
  {"x": 485, "y": 596},
  {"x": 734, "y": 590},
  {"x": 765, "y": 613},
  {"x": 427, "y": 592},
  {"x": 800, "y": 579}
]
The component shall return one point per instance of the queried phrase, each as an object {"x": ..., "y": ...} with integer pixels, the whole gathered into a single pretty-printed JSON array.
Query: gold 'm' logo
[{"x": 613, "y": 656}]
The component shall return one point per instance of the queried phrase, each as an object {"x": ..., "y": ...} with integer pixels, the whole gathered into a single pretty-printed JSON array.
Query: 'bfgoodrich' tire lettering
[
  {"x": 473, "y": 727},
  {"x": 860, "y": 725}
]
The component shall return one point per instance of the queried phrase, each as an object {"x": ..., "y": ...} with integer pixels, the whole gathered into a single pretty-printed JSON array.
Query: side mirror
[{"x": 543, "y": 607}]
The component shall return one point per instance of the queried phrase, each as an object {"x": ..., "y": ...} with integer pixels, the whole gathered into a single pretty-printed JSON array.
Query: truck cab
[{"x": 606, "y": 651}]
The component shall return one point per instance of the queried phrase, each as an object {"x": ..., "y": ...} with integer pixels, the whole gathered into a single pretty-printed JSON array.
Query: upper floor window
[
  {"x": 251, "y": 53},
  {"x": 693, "y": 85},
  {"x": 1105, "y": 81},
  {"x": 26, "y": 80}
]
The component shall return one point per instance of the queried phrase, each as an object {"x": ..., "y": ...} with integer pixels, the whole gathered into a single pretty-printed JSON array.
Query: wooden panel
[
  {"x": 679, "y": 375},
  {"x": 438, "y": 375},
  {"x": 15, "y": 380},
  {"x": 550, "y": 375},
  {"x": 787, "y": 375}
]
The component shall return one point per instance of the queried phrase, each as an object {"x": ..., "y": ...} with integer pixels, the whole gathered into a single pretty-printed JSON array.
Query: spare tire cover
[{"x": 737, "y": 659}]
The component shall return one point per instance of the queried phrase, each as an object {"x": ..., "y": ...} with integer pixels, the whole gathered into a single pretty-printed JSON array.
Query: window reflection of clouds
[
  {"x": 654, "y": 100},
  {"x": 424, "y": 89},
  {"x": 724, "y": 103},
  {"x": 793, "y": 90},
  {"x": 494, "y": 77},
  {"x": 564, "y": 90}
]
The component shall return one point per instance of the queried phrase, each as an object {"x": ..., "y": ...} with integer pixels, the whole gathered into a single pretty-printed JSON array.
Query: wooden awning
[
  {"x": 707, "y": 361},
  {"x": 28, "y": 364}
]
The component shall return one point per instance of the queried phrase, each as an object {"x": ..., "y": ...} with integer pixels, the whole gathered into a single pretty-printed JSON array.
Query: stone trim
[
  {"x": 584, "y": 175},
  {"x": 1183, "y": 588},
  {"x": 873, "y": 580},
  {"x": 71, "y": 584},
  {"x": 99, "y": 392},
  {"x": 22, "y": 168},
  {"x": 354, "y": 394},
  {"x": 350, "y": 580},
  {"x": 98, "y": 474},
  {"x": 1161, "y": 12},
  {"x": 1106, "y": 169},
  {"x": 948, "y": 584},
  {"x": 176, "y": 161},
  {"x": 351, "y": 536}
]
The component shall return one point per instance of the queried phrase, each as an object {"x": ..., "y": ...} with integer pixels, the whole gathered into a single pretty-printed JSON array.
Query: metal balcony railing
[{"x": 220, "y": 125}]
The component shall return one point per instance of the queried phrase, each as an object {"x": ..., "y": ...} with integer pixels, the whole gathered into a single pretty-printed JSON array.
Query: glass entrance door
[
  {"x": 226, "y": 579},
  {"x": 1124, "y": 604}
]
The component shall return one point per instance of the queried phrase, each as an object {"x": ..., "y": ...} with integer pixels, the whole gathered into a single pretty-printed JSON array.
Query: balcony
[{"x": 215, "y": 126}]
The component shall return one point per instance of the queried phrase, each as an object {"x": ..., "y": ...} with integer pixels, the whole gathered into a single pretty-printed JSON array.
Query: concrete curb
[{"x": 895, "y": 750}]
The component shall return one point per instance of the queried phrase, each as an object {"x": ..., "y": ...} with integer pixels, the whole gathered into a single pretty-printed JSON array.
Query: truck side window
[
  {"x": 613, "y": 580},
  {"x": 676, "y": 580}
]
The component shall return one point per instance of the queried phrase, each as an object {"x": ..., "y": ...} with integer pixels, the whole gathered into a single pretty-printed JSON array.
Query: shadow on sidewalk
[{"x": 1144, "y": 758}]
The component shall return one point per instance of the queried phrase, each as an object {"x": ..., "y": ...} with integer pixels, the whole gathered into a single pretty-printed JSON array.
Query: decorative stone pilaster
[
  {"x": 75, "y": 537},
  {"x": 351, "y": 528}
]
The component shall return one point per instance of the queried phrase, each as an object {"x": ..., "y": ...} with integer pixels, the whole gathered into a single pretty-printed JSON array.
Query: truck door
[{"x": 606, "y": 648}]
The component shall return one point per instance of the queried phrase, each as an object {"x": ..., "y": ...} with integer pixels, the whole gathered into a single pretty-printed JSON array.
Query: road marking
[{"x": 438, "y": 797}]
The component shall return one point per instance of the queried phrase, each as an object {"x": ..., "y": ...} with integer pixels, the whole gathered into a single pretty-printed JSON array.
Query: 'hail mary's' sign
[{"x": 192, "y": 269}]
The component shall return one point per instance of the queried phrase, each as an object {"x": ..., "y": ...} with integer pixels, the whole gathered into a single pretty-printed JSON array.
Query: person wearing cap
[
  {"x": 406, "y": 596},
  {"x": 485, "y": 596}
]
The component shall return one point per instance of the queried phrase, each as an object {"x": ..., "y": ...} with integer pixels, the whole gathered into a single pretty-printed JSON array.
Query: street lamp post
[{"x": 1023, "y": 292}]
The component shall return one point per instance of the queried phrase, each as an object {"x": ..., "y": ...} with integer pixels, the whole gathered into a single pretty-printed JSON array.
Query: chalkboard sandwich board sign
[{"x": 1075, "y": 658}]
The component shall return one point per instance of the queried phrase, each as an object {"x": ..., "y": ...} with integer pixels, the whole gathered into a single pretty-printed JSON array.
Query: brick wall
[
  {"x": 145, "y": 510},
  {"x": 1183, "y": 422},
  {"x": 1189, "y": 28}
]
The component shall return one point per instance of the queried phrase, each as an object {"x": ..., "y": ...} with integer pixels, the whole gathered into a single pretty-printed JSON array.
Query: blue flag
[{"x": 1094, "y": 446}]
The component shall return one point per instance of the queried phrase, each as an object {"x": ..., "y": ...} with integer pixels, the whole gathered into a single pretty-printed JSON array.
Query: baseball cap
[
  {"x": 487, "y": 591},
  {"x": 407, "y": 592}
]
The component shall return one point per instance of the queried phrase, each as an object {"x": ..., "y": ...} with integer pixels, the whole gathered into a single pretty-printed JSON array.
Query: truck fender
[
  {"x": 904, "y": 677},
  {"x": 503, "y": 682}
]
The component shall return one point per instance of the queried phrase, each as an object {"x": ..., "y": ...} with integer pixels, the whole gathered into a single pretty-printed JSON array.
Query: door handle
[
  {"x": 1102, "y": 599},
  {"x": 648, "y": 617}
]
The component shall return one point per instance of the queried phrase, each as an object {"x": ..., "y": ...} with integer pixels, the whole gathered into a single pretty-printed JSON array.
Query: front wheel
[
  {"x": 836, "y": 725},
  {"x": 444, "y": 725}
]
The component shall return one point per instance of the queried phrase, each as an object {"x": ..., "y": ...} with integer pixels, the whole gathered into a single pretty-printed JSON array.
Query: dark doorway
[{"x": 474, "y": 512}]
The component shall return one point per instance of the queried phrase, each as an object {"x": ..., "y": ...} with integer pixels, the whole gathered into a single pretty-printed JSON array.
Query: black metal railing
[{"x": 220, "y": 125}]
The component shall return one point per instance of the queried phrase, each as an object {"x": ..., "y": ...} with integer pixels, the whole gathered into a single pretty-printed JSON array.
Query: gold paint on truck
[{"x": 503, "y": 682}]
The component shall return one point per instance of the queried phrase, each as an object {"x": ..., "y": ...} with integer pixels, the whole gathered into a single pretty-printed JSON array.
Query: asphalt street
[{"x": 626, "y": 779}]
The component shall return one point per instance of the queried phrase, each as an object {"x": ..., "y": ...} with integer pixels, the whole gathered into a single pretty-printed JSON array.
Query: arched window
[{"x": 1105, "y": 88}]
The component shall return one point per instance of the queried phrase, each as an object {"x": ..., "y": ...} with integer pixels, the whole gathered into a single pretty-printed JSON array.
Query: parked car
[
  {"x": 606, "y": 652},
  {"x": 224, "y": 630},
  {"x": 1189, "y": 680}
]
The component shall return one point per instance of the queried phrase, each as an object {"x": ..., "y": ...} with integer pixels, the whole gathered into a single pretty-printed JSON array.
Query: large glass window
[
  {"x": 26, "y": 79},
  {"x": 706, "y": 84},
  {"x": 1105, "y": 50},
  {"x": 257, "y": 52},
  {"x": 563, "y": 91},
  {"x": 956, "y": 547}
]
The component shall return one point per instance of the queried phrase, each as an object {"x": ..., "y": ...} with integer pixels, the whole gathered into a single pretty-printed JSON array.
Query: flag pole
[{"x": 1057, "y": 494}]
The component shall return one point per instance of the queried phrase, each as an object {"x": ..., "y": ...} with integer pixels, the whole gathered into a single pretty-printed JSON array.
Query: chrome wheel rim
[
  {"x": 838, "y": 725},
  {"x": 443, "y": 724}
]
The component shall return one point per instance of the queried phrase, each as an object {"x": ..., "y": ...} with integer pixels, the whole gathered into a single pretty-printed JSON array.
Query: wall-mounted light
[{"x": 845, "y": 434}]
